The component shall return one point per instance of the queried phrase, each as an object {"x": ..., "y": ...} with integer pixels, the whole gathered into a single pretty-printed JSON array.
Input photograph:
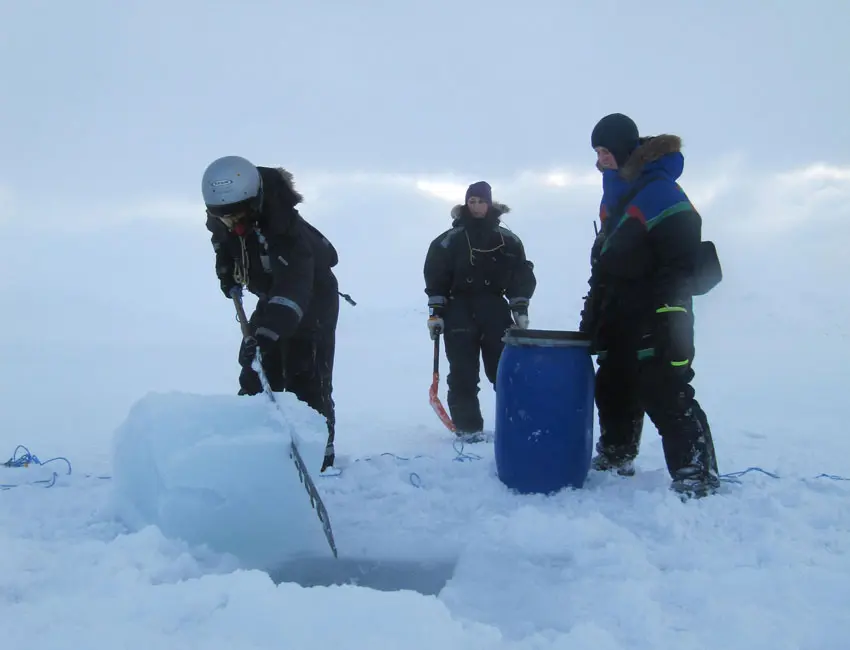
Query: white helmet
[{"x": 231, "y": 185}]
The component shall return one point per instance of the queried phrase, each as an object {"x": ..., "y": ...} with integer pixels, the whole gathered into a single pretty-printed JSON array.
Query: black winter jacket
[
  {"x": 478, "y": 257},
  {"x": 284, "y": 260}
]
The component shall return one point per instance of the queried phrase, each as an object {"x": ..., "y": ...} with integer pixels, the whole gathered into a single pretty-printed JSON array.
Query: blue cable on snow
[
  {"x": 414, "y": 478},
  {"x": 27, "y": 458},
  {"x": 732, "y": 477}
]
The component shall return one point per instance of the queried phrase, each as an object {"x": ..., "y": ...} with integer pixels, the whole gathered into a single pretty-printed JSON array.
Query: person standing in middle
[{"x": 479, "y": 283}]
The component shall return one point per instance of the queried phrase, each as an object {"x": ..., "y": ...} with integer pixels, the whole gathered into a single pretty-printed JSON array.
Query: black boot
[
  {"x": 470, "y": 437},
  {"x": 694, "y": 482},
  {"x": 465, "y": 412},
  {"x": 330, "y": 452},
  {"x": 691, "y": 459},
  {"x": 330, "y": 457},
  {"x": 609, "y": 459},
  {"x": 618, "y": 456}
]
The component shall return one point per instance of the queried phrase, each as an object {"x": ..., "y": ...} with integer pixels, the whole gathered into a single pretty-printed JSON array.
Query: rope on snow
[{"x": 27, "y": 458}]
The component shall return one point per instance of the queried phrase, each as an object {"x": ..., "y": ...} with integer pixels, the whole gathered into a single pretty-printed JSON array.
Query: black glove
[
  {"x": 228, "y": 287},
  {"x": 250, "y": 345},
  {"x": 674, "y": 336},
  {"x": 247, "y": 351}
]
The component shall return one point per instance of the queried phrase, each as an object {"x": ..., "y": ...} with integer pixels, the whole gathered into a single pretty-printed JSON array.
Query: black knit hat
[
  {"x": 482, "y": 190},
  {"x": 618, "y": 134}
]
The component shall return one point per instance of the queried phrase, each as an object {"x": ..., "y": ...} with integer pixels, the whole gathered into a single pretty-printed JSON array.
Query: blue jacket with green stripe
[{"x": 646, "y": 257}]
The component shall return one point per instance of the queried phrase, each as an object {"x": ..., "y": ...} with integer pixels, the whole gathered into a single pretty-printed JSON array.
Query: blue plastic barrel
[{"x": 544, "y": 411}]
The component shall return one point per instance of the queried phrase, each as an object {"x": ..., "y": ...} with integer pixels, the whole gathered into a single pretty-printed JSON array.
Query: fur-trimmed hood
[
  {"x": 289, "y": 181},
  {"x": 649, "y": 150},
  {"x": 496, "y": 210}
]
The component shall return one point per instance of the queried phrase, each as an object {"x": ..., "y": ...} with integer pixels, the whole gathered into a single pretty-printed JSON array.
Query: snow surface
[{"x": 434, "y": 552}]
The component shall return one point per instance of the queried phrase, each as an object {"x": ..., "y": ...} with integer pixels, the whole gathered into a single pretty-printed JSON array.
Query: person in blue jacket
[{"x": 647, "y": 264}]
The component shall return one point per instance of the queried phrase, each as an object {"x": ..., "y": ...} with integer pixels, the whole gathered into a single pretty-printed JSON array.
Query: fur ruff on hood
[
  {"x": 498, "y": 209},
  {"x": 289, "y": 181},
  {"x": 650, "y": 150}
]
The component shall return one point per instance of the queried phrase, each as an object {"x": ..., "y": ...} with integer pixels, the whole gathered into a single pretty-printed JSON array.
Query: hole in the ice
[{"x": 426, "y": 577}]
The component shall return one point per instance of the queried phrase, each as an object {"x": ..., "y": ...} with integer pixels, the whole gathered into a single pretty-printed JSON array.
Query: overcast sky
[{"x": 130, "y": 100}]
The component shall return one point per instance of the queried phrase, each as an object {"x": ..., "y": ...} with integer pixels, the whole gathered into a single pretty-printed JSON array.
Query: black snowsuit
[
  {"x": 474, "y": 273},
  {"x": 646, "y": 268},
  {"x": 287, "y": 263}
]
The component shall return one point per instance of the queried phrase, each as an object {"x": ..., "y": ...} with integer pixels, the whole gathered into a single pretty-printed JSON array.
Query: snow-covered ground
[{"x": 434, "y": 551}]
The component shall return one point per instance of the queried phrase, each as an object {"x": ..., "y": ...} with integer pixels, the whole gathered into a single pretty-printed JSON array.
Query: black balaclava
[{"x": 618, "y": 134}]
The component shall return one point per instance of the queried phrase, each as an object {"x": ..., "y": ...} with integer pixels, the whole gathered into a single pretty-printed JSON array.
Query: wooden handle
[{"x": 240, "y": 313}]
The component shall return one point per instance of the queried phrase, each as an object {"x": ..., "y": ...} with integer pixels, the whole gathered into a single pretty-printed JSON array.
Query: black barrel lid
[{"x": 518, "y": 336}]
